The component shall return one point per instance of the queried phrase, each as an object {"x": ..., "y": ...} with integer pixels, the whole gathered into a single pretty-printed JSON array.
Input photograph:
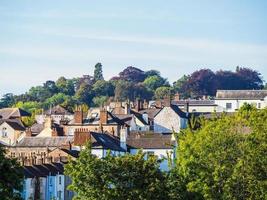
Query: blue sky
[{"x": 42, "y": 40}]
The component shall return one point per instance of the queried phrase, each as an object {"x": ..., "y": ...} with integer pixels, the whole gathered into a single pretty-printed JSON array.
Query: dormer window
[{"x": 4, "y": 132}]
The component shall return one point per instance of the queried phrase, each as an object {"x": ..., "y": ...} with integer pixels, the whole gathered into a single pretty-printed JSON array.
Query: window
[
  {"x": 259, "y": 105},
  {"x": 59, "y": 194},
  {"x": 4, "y": 132},
  {"x": 59, "y": 180},
  {"x": 228, "y": 106}
]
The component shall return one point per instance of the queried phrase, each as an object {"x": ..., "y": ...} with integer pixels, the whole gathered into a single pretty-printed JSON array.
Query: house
[
  {"x": 101, "y": 143},
  {"x": 170, "y": 118},
  {"x": 104, "y": 121},
  {"x": 232, "y": 100},
  {"x": 38, "y": 150},
  {"x": 13, "y": 113},
  {"x": 193, "y": 105},
  {"x": 160, "y": 145},
  {"x": 56, "y": 113},
  {"x": 137, "y": 121},
  {"x": 10, "y": 131},
  {"x": 46, "y": 182}
]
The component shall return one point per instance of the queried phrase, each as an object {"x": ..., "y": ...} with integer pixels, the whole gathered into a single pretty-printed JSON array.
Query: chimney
[
  {"x": 127, "y": 108},
  {"x": 158, "y": 104},
  {"x": 78, "y": 115},
  {"x": 138, "y": 105},
  {"x": 123, "y": 137},
  {"x": 145, "y": 104},
  {"x": 48, "y": 122},
  {"x": 28, "y": 132},
  {"x": 167, "y": 101},
  {"x": 54, "y": 132},
  {"x": 186, "y": 107},
  {"x": 103, "y": 116},
  {"x": 177, "y": 97},
  {"x": 81, "y": 136}
]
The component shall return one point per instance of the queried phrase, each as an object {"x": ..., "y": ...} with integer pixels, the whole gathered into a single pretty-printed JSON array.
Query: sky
[{"x": 43, "y": 40}]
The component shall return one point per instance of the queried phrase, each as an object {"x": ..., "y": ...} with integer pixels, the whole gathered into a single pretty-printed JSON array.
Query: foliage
[
  {"x": 11, "y": 177},
  {"x": 103, "y": 88},
  {"x": 154, "y": 82},
  {"x": 132, "y": 74},
  {"x": 225, "y": 158},
  {"x": 98, "y": 73},
  {"x": 116, "y": 177},
  {"x": 179, "y": 86},
  {"x": 7, "y": 100},
  {"x": 65, "y": 86},
  {"x": 162, "y": 92},
  {"x": 100, "y": 100}
]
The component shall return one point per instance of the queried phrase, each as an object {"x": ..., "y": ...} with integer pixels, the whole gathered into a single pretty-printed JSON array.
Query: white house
[
  {"x": 10, "y": 131},
  {"x": 170, "y": 118},
  {"x": 192, "y": 105},
  {"x": 232, "y": 100}
]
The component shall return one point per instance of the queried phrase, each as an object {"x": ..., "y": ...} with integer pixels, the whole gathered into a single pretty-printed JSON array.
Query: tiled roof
[
  {"x": 152, "y": 112},
  {"x": 43, "y": 170},
  {"x": 44, "y": 141},
  {"x": 241, "y": 94},
  {"x": 37, "y": 128},
  {"x": 14, "y": 123},
  {"x": 106, "y": 141},
  {"x": 7, "y": 113},
  {"x": 57, "y": 110},
  {"x": 194, "y": 102},
  {"x": 150, "y": 141}
]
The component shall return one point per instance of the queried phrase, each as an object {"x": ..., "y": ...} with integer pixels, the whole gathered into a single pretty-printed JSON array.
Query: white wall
[
  {"x": 10, "y": 139},
  {"x": 167, "y": 120},
  {"x": 237, "y": 104}
]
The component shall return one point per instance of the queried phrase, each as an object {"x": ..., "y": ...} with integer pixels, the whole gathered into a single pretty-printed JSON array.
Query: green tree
[
  {"x": 154, "y": 82},
  {"x": 7, "y": 100},
  {"x": 100, "y": 100},
  {"x": 103, "y": 88},
  {"x": 56, "y": 99},
  {"x": 162, "y": 92},
  {"x": 178, "y": 86},
  {"x": 65, "y": 86},
  {"x": 11, "y": 177},
  {"x": 98, "y": 73},
  {"x": 225, "y": 159},
  {"x": 84, "y": 94},
  {"x": 128, "y": 176},
  {"x": 265, "y": 87}
]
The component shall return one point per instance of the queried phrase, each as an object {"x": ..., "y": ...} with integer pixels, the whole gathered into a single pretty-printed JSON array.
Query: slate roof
[
  {"x": 44, "y": 141},
  {"x": 43, "y": 170},
  {"x": 241, "y": 94},
  {"x": 106, "y": 141},
  {"x": 14, "y": 123},
  {"x": 150, "y": 141},
  {"x": 57, "y": 110},
  {"x": 7, "y": 113},
  {"x": 37, "y": 128},
  {"x": 152, "y": 112},
  {"x": 193, "y": 102}
]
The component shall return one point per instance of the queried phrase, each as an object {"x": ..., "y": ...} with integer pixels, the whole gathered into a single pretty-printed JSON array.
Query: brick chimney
[
  {"x": 54, "y": 132},
  {"x": 81, "y": 136},
  {"x": 78, "y": 115},
  {"x": 48, "y": 122},
  {"x": 159, "y": 104},
  {"x": 145, "y": 104},
  {"x": 138, "y": 105},
  {"x": 28, "y": 132},
  {"x": 103, "y": 117},
  {"x": 167, "y": 101},
  {"x": 177, "y": 97}
]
